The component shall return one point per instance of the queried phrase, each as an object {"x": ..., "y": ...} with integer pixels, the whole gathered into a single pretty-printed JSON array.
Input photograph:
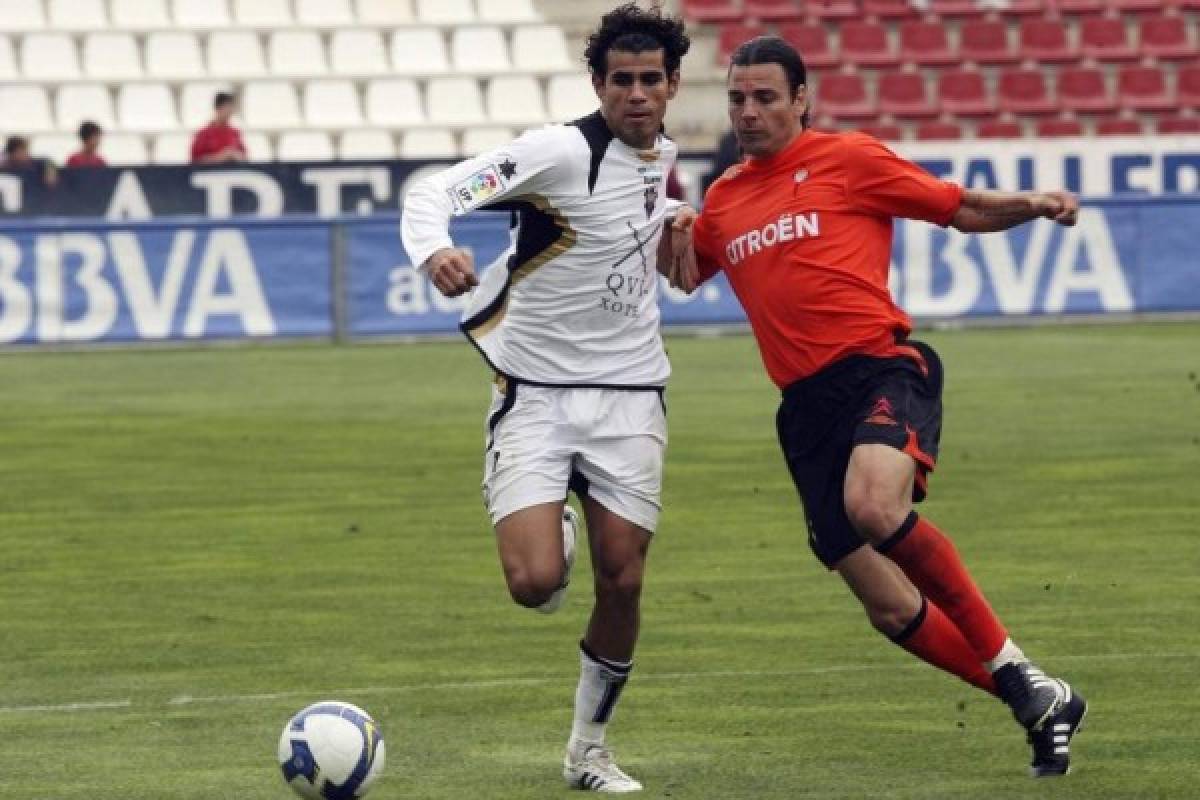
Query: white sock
[
  {"x": 1009, "y": 654},
  {"x": 600, "y": 684}
]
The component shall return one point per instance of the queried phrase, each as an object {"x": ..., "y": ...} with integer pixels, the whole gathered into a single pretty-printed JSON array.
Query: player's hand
[
  {"x": 452, "y": 271},
  {"x": 1062, "y": 207},
  {"x": 682, "y": 272}
]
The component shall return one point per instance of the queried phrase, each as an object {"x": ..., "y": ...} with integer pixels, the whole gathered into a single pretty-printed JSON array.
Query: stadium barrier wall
[{"x": 348, "y": 277}]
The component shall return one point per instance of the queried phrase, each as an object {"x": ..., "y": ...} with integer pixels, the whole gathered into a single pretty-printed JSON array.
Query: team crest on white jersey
[
  {"x": 482, "y": 186},
  {"x": 651, "y": 195}
]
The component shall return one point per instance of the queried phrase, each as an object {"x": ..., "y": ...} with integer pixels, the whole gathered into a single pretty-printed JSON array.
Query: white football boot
[
  {"x": 570, "y": 531},
  {"x": 590, "y": 767}
]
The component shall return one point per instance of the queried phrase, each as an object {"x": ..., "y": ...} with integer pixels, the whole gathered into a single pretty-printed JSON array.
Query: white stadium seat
[
  {"x": 77, "y": 15},
  {"x": 111, "y": 56},
  {"x": 304, "y": 146},
  {"x": 293, "y": 53},
  {"x": 22, "y": 15},
  {"x": 366, "y": 145},
  {"x": 332, "y": 104},
  {"x": 419, "y": 51},
  {"x": 445, "y": 12},
  {"x": 196, "y": 102},
  {"x": 516, "y": 99},
  {"x": 262, "y": 13},
  {"x": 507, "y": 11},
  {"x": 57, "y": 147},
  {"x": 124, "y": 149},
  {"x": 235, "y": 54},
  {"x": 570, "y": 97},
  {"x": 270, "y": 105},
  {"x": 479, "y": 49},
  {"x": 49, "y": 57},
  {"x": 200, "y": 14},
  {"x": 480, "y": 140},
  {"x": 385, "y": 12},
  {"x": 171, "y": 148},
  {"x": 75, "y": 103},
  {"x": 454, "y": 101},
  {"x": 146, "y": 107},
  {"x": 8, "y": 60},
  {"x": 358, "y": 52},
  {"x": 258, "y": 146},
  {"x": 394, "y": 103},
  {"x": 540, "y": 48},
  {"x": 28, "y": 104},
  {"x": 174, "y": 55},
  {"x": 324, "y": 13},
  {"x": 428, "y": 143},
  {"x": 140, "y": 15}
]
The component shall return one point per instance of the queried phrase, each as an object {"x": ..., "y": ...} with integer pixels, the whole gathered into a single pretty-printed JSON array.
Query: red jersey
[
  {"x": 215, "y": 138},
  {"x": 805, "y": 238},
  {"x": 85, "y": 159}
]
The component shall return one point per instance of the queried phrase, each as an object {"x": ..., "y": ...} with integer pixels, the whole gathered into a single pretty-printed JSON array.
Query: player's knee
[
  {"x": 875, "y": 515},
  {"x": 620, "y": 583},
  {"x": 889, "y": 618},
  {"x": 531, "y": 587}
]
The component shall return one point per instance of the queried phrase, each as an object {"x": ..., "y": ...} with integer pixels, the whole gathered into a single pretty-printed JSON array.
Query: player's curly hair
[{"x": 630, "y": 29}]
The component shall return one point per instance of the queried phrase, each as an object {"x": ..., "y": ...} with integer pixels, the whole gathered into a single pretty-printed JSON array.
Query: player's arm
[
  {"x": 674, "y": 248},
  {"x": 985, "y": 210}
]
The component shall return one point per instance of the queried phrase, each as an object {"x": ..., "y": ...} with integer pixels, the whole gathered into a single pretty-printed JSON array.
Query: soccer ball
[{"x": 331, "y": 751}]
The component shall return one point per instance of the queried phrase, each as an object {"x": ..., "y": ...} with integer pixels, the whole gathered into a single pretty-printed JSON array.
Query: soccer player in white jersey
[{"x": 569, "y": 322}]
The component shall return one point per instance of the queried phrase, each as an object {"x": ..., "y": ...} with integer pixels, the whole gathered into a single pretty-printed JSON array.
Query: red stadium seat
[
  {"x": 1178, "y": 125},
  {"x": 1023, "y": 91},
  {"x": 1118, "y": 126},
  {"x": 902, "y": 94},
  {"x": 985, "y": 42},
  {"x": 1045, "y": 40},
  {"x": 889, "y": 133},
  {"x": 963, "y": 92},
  {"x": 1058, "y": 127},
  {"x": 832, "y": 9},
  {"x": 713, "y": 11},
  {"x": 996, "y": 129},
  {"x": 1085, "y": 90},
  {"x": 773, "y": 10},
  {"x": 1037, "y": 7},
  {"x": 1138, "y": 6},
  {"x": 926, "y": 43},
  {"x": 1104, "y": 39},
  {"x": 938, "y": 130},
  {"x": 956, "y": 8},
  {"x": 813, "y": 43},
  {"x": 888, "y": 9},
  {"x": 845, "y": 97},
  {"x": 1144, "y": 89},
  {"x": 1079, "y": 8},
  {"x": 1166, "y": 38},
  {"x": 866, "y": 44},
  {"x": 1188, "y": 86},
  {"x": 732, "y": 36}
]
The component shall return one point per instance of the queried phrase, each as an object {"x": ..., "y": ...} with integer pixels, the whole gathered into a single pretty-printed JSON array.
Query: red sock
[
  {"x": 933, "y": 638},
  {"x": 930, "y": 561}
]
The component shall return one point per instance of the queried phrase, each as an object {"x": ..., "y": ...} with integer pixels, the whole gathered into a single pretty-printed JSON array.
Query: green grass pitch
[{"x": 196, "y": 543}]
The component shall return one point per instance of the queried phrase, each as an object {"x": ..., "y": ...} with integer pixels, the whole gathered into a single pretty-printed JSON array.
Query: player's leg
[{"x": 537, "y": 549}]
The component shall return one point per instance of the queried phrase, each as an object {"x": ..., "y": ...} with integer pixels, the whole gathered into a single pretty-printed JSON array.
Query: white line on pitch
[{"x": 67, "y": 708}]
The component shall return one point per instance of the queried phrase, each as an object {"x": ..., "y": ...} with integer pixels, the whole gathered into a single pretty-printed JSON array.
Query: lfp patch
[{"x": 478, "y": 189}]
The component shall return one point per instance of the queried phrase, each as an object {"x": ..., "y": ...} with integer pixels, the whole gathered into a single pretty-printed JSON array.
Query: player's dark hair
[
  {"x": 773, "y": 50},
  {"x": 630, "y": 29},
  {"x": 15, "y": 143},
  {"x": 88, "y": 129},
  {"x": 222, "y": 99}
]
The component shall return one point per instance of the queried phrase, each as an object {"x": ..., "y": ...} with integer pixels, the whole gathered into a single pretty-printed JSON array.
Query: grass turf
[{"x": 197, "y": 543}]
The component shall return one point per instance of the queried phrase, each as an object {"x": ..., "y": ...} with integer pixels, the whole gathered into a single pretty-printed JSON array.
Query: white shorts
[{"x": 540, "y": 441}]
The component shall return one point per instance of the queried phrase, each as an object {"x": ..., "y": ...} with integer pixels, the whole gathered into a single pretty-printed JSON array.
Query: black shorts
[{"x": 858, "y": 400}]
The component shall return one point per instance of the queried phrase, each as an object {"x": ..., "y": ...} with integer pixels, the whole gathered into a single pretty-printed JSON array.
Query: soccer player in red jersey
[
  {"x": 803, "y": 231},
  {"x": 219, "y": 142}
]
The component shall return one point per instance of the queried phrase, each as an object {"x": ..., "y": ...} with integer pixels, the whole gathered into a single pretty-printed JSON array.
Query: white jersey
[{"x": 574, "y": 301}]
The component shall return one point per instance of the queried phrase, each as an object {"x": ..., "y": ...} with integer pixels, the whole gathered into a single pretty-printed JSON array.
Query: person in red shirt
[
  {"x": 89, "y": 155},
  {"x": 219, "y": 142},
  {"x": 803, "y": 231}
]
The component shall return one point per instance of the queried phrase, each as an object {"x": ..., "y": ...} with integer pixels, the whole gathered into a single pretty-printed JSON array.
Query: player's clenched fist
[
  {"x": 452, "y": 271},
  {"x": 1062, "y": 207}
]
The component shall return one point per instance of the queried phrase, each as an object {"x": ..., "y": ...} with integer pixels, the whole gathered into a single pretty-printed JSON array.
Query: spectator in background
[
  {"x": 16, "y": 154},
  {"x": 89, "y": 155},
  {"x": 219, "y": 142}
]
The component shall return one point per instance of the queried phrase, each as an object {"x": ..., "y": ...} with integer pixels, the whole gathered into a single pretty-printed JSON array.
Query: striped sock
[{"x": 600, "y": 685}]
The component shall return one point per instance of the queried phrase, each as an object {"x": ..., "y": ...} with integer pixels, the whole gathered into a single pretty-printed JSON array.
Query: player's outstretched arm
[
  {"x": 986, "y": 210},
  {"x": 676, "y": 254},
  {"x": 452, "y": 271}
]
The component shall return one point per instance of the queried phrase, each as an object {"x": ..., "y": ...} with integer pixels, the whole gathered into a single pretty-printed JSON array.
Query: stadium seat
[
  {"x": 332, "y": 104},
  {"x": 569, "y": 97},
  {"x": 1166, "y": 38},
  {"x": 832, "y": 9},
  {"x": 296, "y": 53},
  {"x": 964, "y": 93},
  {"x": 1021, "y": 7},
  {"x": 865, "y": 44},
  {"x": 8, "y": 60},
  {"x": 985, "y": 42},
  {"x": 428, "y": 143},
  {"x": 1045, "y": 40},
  {"x": 713, "y": 12},
  {"x": 887, "y": 132},
  {"x": 270, "y": 105},
  {"x": 1188, "y": 86},
  {"x": 111, "y": 56},
  {"x": 903, "y": 94},
  {"x": 479, "y": 49},
  {"x": 146, "y": 107},
  {"x": 358, "y": 52},
  {"x": 22, "y": 15},
  {"x": 1058, "y": 127},
  {"x": 1104, "y": 39},
  {"x": 731, "y": 36},
  {"x": 1079, "y": 8},
  {"x": 515, "y": 99},
  {"x": 844, "y": 97},
  {"x": 443, "y": 12},
  {"x": 1144, "y": 89},
  {"x": 49, "y": 57},
  {"x": 926, "y": 43},
  {"x": 419, "y": 51},
  {"x": 28, "y": 104},
  {"x": 889, "y": 9},
  {"x": 540, "y": 48},
  {"x": 813, "y": 43},
  {"x": 76, "y": 102},
  {"x": 139, "y": 15},
  {"x": 507, "y": 11},
  {"x": 479, "y": 140},
  {"x": 1084, "y": 90},
  {"x": 263, "y": 13},
  {"x": 772, "y": 11},
  {"x": 454, "y": 101},
  {"x": 304, "y": 146},
  {"x": 1178, "y": 125},
  {"x": 1023, "y": 91},
  {"x": 124, "y": 149},
  {"x": 258, "y": 146},
  {"x": 1118, "y": 126},
  {"x": 235, "y": 54},
  {"x": 394, "y": 103},
  {"x": 57, "y": 147},
  {"x": 385, "y": 12},
  {"x": 324, "y": 14},
  {"x": 928, "y": 131},
  {"x": 999, "y": 129},
  {"x": 196, "y": 102},
  {"x": 366, "y": 145},
  {"x": 699, "y": 107},
  {"x": 171, "y": 148},
  {"x": 174, "y": 56},
  {"x": 77, "y": 15},
  {"x": 1137, "y": 6},
  {"x": 200, "y": 14},
  {"x": 956, "y": 8}
]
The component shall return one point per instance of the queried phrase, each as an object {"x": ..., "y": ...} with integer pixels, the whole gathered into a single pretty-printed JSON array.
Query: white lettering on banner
[
  {"x": 1102, "y": 273},
  {"x": 330, "y": 182},
  {"x": 411, "y": 293},
  {"x": 219, "y": 186},
  {"x": 10, "y": 193},
  {"x": 152, "y": 312},
  {"x": 228, "y": 255},
  {"x": 128, "y": 200},
  {"x": 965, "y": 280},
  {"x": 786, "y": 229},
  {"x": 16, "y": 306},
  {"x": 100, "y": 303}
]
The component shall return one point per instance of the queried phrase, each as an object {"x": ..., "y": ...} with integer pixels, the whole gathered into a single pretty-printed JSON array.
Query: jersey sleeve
[
  {"x": 705, "y": 245},
  {"x": 880, "y": 182},
  {"x": 531, "y": 164}
]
